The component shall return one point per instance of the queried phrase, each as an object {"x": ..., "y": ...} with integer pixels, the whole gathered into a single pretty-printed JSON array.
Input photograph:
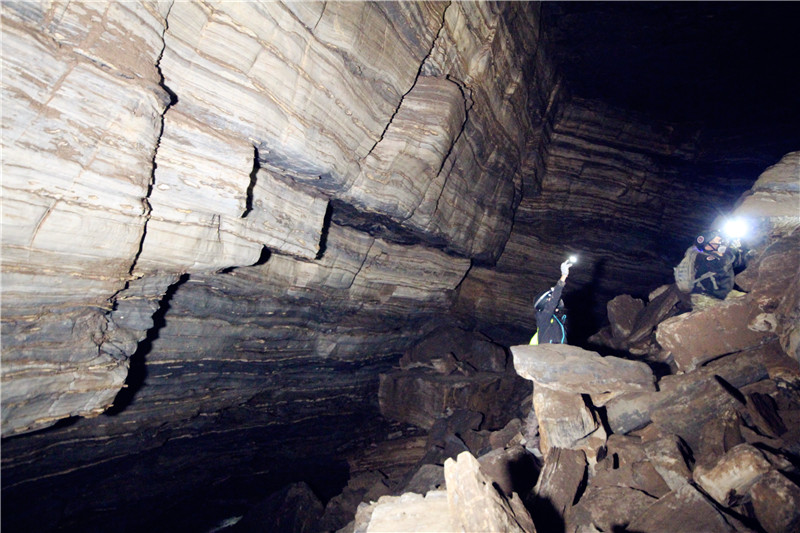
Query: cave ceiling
[{"x": 697, "y": 62}]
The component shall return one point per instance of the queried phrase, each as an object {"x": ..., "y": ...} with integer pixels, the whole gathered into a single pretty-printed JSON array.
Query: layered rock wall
[
  {"x": 155, "y": 140},
  {"x": 620, "y": 192}
]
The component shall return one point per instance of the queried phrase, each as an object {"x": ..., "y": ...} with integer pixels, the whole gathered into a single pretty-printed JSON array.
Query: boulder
[
  {"x": 776, "y": 503},
  {"x": 420, "y": 398},
  {"x": 573, "y": 369},
  {"x": 699, "y": 336},
  {"x": 622, "y": 313},
  {"x": 561, "y": 478},
  {"x": 731, "y": 476},
  {"x": 607, "y": 508},
  {"x": 476, "y": 505},
  {"x": 684, "y": 510},
  {"x": 407, "y": 512},
  {"x": 565, "y": 421},
  {"x": 468, "y": 348}
]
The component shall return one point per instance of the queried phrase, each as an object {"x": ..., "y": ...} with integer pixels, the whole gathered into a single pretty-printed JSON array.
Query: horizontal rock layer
[{"x": 246, "y": 212}]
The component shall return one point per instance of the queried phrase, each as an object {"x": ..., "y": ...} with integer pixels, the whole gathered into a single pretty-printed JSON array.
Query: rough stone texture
[
  {"x": 607, "y": 508},
  {"x": 476, "y": 505},
  {"x": 557, "y": 486},
  {"x": 248, "y": 211},
  {"x": 566, "y": 421},
  {"x": 409, "y": 512},
  {"x": 622, "y": 312},
  {"x": 572, "y": 369},
  {"x": 686, "y": 510},
  {"x": 680, "y": 394},
  {"x": 733, "y": 473},
  {"x": 775, "y": 195},
  {"x": 776, "y": 502},
  {"x": 79, "y": 137},
  {"x": 727, "y": 324}
]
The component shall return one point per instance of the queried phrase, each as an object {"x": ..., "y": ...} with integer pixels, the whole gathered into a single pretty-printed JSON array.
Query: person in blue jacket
[{"x": 551, "y": 316}]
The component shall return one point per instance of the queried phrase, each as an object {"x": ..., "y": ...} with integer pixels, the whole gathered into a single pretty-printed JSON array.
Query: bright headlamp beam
[{"x": 735, "y": 228}]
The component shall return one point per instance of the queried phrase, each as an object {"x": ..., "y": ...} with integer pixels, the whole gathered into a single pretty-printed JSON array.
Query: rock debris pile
[{"x": 682, "y": 420}]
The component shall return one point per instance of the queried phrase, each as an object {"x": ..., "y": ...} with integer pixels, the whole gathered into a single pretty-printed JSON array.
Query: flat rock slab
[
  {"x": 684, "y": 510},
  {"x": 411, "y": 512},
  {"x": 699, "y": 336},
  {"x": 572, "y": 369}
]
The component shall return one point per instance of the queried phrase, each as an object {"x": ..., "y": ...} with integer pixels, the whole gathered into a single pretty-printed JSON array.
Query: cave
[{"x": 238, "y": 238}]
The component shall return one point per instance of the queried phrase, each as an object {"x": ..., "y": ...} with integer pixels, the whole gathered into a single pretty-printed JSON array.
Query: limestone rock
[
  {"x": 556, "y": 489},
  {"x": 420, "y": 398},
  {"x": 476, "y": 505},
  {"x": 79, "y": 137},
  {"x": 513, "y": 469},
  {"x": 776, "y": 502},
  {"x": 733, "y": 474},
  {"x": 725, "y": 330},
  {"x": 671, "y": 459},
  {"x": 565, "y": 421},
  {"x": 573, "y": 369},
  {"x": 622, "y": 312},
  {"x": 607, "y": 508},
  {"x": 474, "y": 350},
  {"x": 408, "y": 512},
  {"x": 685, "y": 510},
  {"x": 773, "y": 198}
]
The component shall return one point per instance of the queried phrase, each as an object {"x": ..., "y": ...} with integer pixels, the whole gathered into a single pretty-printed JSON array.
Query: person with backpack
[
  {"x": 551, "y": 316},
  {"x": 708, "y": 266}
]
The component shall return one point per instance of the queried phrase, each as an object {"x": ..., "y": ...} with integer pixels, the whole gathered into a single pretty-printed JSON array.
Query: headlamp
[{"x": 736, "y": 228}]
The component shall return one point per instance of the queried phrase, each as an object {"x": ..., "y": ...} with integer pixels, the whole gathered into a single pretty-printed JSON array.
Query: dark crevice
[
  {"x": 326, "y": 226},
  {"x": 137, "y": 372},
  {"x": 416, "y": 78},
  {"x": 253, "y": 178},
  {"x": 172, "y": 100}
]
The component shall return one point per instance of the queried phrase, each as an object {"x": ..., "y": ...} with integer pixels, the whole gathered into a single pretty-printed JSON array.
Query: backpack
[{"x": 684, "y": 272}]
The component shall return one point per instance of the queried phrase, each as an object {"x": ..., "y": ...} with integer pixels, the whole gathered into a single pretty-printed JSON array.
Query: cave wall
[
  {"x": 222, "y": 221},
  {"x": 156, "y": 140},
  {"x": 623, "y": 193}
]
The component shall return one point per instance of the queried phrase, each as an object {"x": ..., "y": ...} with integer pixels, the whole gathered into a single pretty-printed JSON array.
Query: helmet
[
  {"x": 704, "y": 237},
  {"x": 542, "y": 300}
]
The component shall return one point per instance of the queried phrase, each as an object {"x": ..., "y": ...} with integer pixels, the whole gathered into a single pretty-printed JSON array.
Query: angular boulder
[
  {"x": 476, "y": 505},
  {"x": 572, "y": 369}
]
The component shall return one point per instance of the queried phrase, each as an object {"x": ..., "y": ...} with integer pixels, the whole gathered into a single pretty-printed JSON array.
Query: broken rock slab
[
  {"x": 696, "y": 337},
  {"x": 408, "y": 512},
  {"x": 559, "y": 482},
  {"x": 776, "y": 503},
  {"x": 632, "y": 411},
  {"x": 476, "y": 505},
  {"x": 607, "y": 508},
  {"x": 622, "y": 313},
  {"x": 684, "y": 510},
  {"x": 565, "y": 421},
  {"x": 732, "y": 475},
  {"x": 572, "y": 369}
]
